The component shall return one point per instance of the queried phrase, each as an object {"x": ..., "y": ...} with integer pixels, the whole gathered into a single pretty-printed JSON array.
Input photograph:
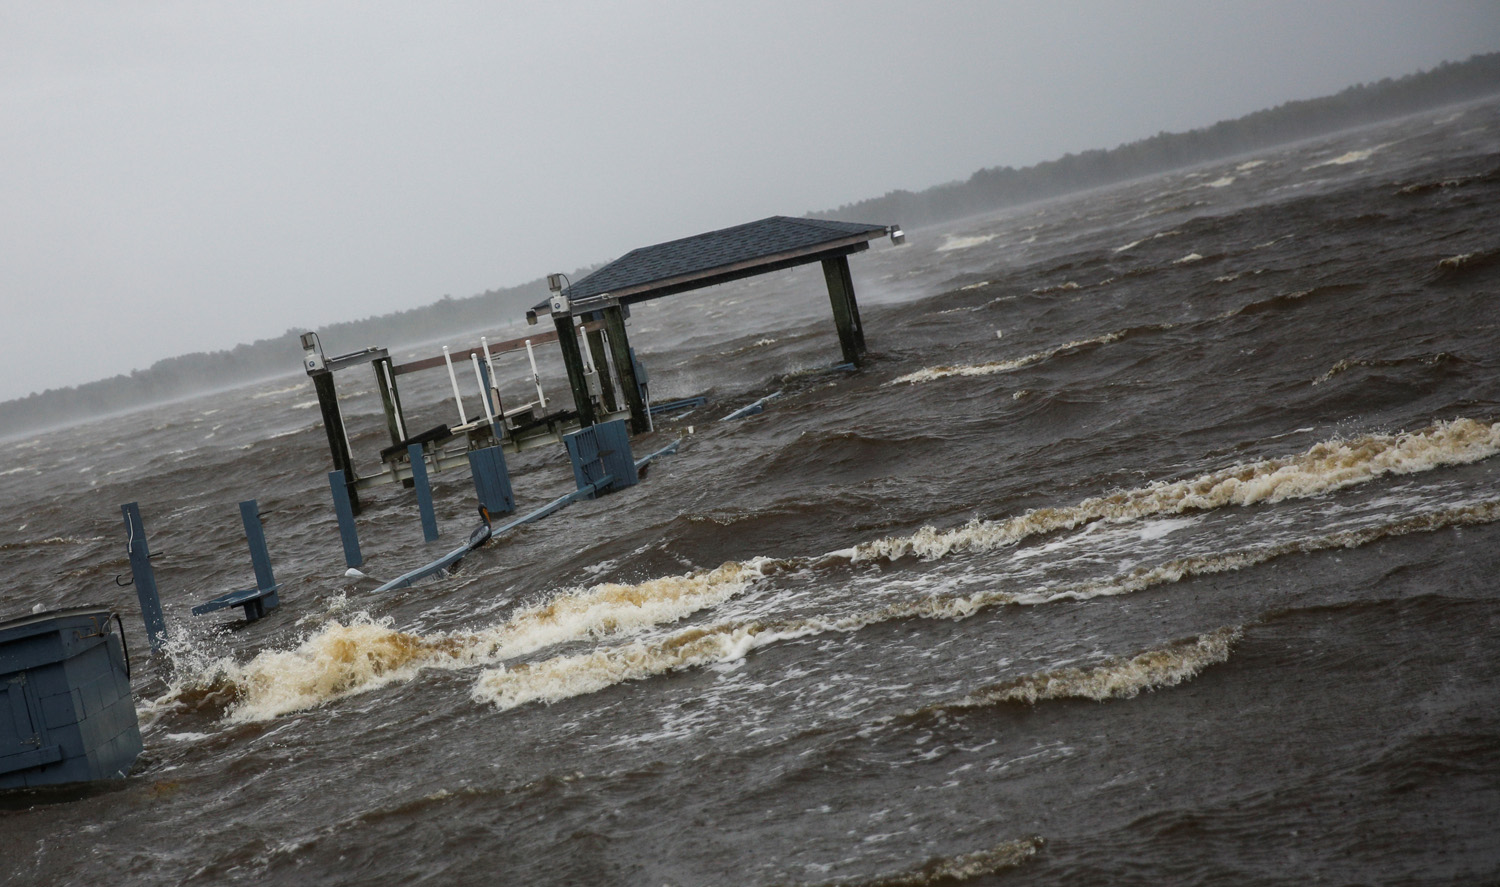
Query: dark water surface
[{"x": 1156, "y": 544}]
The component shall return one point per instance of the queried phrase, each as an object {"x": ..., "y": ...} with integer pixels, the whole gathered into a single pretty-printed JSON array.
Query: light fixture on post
[
  {"x": 559, "y": 284},
  {"x": 898, "y": 236},
  {"x": 312, "y": 354}
]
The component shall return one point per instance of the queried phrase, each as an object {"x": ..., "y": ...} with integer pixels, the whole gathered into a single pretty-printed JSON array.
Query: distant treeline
[
  {"x": 998, "y": 187},
  {"x": 190, "y": 374},
  {"x": 986, "y": 190}
]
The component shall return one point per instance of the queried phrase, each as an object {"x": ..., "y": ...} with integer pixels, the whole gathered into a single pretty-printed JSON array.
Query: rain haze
[{"x": 183, "y": 177}]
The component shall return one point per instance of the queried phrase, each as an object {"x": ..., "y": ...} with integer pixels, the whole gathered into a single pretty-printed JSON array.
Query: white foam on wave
[
  {"x": 1249, "y": 165},
  {"x": 1347, "y": 158},
  {"x": 290, "y": 389},
  {"x": 345, "y": 657},
  {"x": 1134, "y": 243},
  {"x": 564, "y": 677},
  {"x": 1323, "y": 468},
  {"x": 1155, "y": 669},
  {"x": 363, "y": 653},
  {"x": 930, "y": 374},
  {"x": 952, "y": 242},
  {"x": 1223, "y": 182}
]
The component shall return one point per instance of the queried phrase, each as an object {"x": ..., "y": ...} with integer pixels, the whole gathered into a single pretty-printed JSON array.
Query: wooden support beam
[
  {"x": 619, "y": 349},
  {"x": 338, "y": 440},
  {"x": 390, "y": 399},
  {"x": 845, "y": 309},
  {"x": 572, "y": 355}
]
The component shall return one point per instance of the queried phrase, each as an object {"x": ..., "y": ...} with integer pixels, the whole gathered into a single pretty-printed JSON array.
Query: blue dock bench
[{"x": 263, "y": 597}]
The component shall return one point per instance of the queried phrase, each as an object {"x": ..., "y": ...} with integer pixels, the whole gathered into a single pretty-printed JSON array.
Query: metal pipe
[
  {"x": 752, "y": 408},
  {"x": 494, "y": 386},
  {"x": 489, "y": 410},
  {"x": 535, "y": 377},
  {"x": 457, "y": 398}
]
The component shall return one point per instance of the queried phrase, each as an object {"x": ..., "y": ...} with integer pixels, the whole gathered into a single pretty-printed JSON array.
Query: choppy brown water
[{"x": 1157, "y": 545}]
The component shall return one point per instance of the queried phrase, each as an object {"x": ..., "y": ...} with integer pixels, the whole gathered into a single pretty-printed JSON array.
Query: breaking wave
[
  {"x": 1116, "y": 679},
  {"x": 344, "y": 658},
  {"x": 51, "y": 541},
  {"x": 563, "y": 677},
  {"x": 1000, "y": 366},
  {"x": 1427, "y": 360},
  {"x": 1326, "y": 467},
  {"x": 957, "y": 869},
  {"x": 1464, "y": 265},
  {"x": 953, "y": 242}
]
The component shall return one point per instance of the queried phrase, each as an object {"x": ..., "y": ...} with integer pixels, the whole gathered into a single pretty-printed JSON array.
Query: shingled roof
[{"x": 721, "y": 256}]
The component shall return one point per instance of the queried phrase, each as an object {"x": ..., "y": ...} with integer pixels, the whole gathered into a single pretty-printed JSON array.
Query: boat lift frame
[{"x": 515, "y": 429}]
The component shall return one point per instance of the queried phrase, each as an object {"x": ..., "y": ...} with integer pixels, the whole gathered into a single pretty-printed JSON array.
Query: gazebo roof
[{"x": 721, "y": 256}]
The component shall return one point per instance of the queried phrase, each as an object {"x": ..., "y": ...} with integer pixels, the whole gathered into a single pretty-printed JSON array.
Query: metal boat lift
[{"x": 512, "y": 428}]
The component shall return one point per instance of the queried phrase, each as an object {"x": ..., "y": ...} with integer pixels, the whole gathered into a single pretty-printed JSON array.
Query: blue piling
[
  {"x": 601, "y": 451},
  {"x": 264, "y": 597},
  {"x": 255, "y": 535},
  {"x": 424, "y": 492},
  {"x": 492, "y": 480},
  {"x": 145, "y": 577},
  {"x": 344, "y": 510}
]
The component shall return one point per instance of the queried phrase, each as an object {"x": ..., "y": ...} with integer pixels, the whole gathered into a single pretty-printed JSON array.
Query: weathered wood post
[
  {"x": 260, "y": 558},
  {"x": 348, "y": 534},
  {"x": 492, "y": 480},
  {"x": 845, "y": 309},
  {"x": 390, "y": 399},
  {"x": 424, "y": 492},
  {"x": 333, "y": 424},
  {"x": 145, "y": 577},
  {"x": 619, "y": 349},
  {"x": 567, "y": 340}
]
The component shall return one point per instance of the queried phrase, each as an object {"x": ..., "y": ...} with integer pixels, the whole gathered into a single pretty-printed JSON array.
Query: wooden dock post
[
  {"x": 264, "y": 597},
  {"x": 567, "y": 340},
  {"x": 345, "y": 513},
  {"x": 145, "y": 577},
  {"x": 492, "y": 480},
  {"x": 260, "y": 557},
  {"x": 338, "y": 439},
  {"x": 424, "y": 492},
  {"x": 619, "y": 349},
  {"x": 390, "y": 399},
  {"x": 845, "y": 309}
]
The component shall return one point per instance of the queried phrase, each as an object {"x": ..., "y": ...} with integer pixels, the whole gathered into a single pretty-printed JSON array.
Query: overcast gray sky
[{"x": 180, "y": 177}]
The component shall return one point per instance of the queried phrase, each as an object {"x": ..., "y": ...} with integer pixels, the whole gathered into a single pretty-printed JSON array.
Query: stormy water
[{"x": 1156, "y": 543}]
